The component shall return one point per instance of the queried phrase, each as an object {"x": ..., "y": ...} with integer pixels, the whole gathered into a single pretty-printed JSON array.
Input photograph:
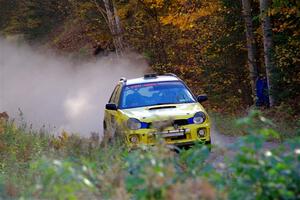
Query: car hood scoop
[
  {"x": 161, "y": 107},
  {"x": 160, "y": 112}
]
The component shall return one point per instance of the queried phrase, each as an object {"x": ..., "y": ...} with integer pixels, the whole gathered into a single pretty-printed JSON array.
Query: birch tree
[
  {"x": 251, "y": 44},
  {"x": 112, "y": 19},
  {"x": 268, "y": 45}
]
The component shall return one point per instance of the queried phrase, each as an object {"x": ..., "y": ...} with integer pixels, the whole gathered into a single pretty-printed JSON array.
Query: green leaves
[
  {"x": 59, "y": 179},
  {"x": 252, "y": 169},
  {"x": 255, "y": 123}
]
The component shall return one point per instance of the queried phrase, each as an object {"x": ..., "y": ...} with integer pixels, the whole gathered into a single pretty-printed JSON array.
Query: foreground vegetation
[{"x": 36, "y": 165}]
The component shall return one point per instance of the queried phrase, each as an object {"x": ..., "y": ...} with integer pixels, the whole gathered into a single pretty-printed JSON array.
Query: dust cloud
[{"x": 53, "y": 92}]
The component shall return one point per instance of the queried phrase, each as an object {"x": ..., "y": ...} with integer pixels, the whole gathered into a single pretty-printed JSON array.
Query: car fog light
[
  {"x": 133, "y": 139},
  {"x": 201, "y": 133}
]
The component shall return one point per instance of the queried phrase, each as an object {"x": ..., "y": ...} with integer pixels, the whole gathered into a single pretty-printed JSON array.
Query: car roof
[{"x": 160, "y": 78}]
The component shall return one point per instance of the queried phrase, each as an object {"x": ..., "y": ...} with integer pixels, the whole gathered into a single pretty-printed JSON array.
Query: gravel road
[{"x": 223, "y": 142}]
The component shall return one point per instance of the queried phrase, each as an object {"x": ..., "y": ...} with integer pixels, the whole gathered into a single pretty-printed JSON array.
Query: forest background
[{"x": 219, "y": 47}]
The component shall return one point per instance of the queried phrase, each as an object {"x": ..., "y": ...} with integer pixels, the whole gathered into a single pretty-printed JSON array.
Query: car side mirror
[
  {"x": 111, "y": 106},
  {"x": 201, "y": 98}
]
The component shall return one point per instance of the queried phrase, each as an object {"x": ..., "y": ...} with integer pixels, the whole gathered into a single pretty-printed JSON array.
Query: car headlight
[
  {"x": 133, "y": 124},
  {"x": 199, "y": 118}
]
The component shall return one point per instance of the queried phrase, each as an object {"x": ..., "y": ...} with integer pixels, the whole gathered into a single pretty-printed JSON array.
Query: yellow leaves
[
  {"x": 154, "y": 4},
  {"x": 272, "y": 11},
  {"x": 186, "y": 17},
  {"x": 2, "y": 125},
  {"x": 31, "y": 23},
  {"x": 184, "y": 21},
  {"x": 287, "y": 55},
  {"x": 64, "y": 136},
  {"x": 61, "y": 140},
  {"x": 286, "y": 18},
  {"x": 285, "y": 11},
  {"x": 3, "y": 120},
  {"x": 84, "y": 8},
  {"x": 184, "y": 41},
  {"x": 123, "y": 12}
]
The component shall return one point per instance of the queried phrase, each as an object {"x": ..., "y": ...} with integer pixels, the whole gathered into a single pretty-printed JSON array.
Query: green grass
[
  {"x": 285, "y": 123},
  {"x": 226, "y": 124}
]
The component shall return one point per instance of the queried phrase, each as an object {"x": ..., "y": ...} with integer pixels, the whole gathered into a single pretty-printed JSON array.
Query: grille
[
  {"x": 180, "y": 122},
  {"x": 177, "y": 122},
  {"x": 181, "y": 137}
]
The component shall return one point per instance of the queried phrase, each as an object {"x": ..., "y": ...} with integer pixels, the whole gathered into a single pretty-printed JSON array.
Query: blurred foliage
[
  {"x": 39, "y": 166},
  {"x": 281, "y": 119},
  {"x": 35, "y": 19},
  {"x": 286, "y": 17}
]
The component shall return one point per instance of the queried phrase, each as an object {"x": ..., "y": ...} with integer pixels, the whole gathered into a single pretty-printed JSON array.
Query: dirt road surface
[{"x": 223, "y": 149}]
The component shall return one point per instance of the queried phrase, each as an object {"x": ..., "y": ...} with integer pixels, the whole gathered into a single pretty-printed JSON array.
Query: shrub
[{"x": 35, "y": 165}]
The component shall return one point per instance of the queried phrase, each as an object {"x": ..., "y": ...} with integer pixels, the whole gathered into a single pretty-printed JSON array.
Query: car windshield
[{"x": 159, "y": 93}]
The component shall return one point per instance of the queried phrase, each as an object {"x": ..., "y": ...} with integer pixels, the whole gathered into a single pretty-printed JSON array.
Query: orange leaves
[{"x": 286, "y": 11}]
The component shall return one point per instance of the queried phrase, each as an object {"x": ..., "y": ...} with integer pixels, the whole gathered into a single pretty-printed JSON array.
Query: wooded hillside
[{"x": 220, "y": 47}]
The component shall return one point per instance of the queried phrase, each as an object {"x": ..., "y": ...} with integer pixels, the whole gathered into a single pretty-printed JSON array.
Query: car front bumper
[{"x": 171, "y": 136}]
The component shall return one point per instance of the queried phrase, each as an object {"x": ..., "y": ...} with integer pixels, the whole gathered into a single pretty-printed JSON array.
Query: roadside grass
[
  {"x": 226, "y": 124},
  {"x": 36, "y": 165},
  {"x": 282, "y": 120}
]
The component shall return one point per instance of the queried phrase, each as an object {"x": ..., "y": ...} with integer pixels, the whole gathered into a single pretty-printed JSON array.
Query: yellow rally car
[{"x": 143, "y": 109}]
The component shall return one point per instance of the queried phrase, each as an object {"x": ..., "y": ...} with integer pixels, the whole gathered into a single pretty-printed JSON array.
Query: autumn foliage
[{"x": 204, "y": 42}]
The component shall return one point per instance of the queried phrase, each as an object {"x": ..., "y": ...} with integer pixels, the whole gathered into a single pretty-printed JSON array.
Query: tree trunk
[
  {"x": 251, "y": 45},
  {"x": 268, "y": 45},
  {"x": 114, "y": 25}
]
